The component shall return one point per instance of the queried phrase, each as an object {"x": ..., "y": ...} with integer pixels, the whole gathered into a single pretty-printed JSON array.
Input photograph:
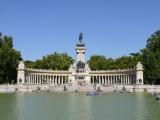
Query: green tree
[
  {"x": 151, "y": 59},
  {"x": 9, "y": 58},
  {"x": 56, "y": 61},
  {"x": 128, "y": 61},
  {"x": 97, "y": 62}
]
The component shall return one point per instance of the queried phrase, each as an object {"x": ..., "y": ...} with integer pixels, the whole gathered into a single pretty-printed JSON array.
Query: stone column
[
  {"x": 58, "y": 79},
  {"x": 100, "y": 79},
  {"x": 122, "y": 79},
  {"x": 93, "y": 79},
  {"x": 114, "y": 79},
  {"x": 28, "y": 78},
  {"x": 97, "y": 81},
  {"x": 61, "y": 79},
  {"x": 107, "y": 80},
  {"x": 31, "y": 79},
  {"x": 42, "y": 79},
  {"x": 49, "y": 79},
  {"x": 36, "y": 78},
  {"x": 128, "y": 79},
  {"x": 125, "y": 79},
  {"x": 21, "y": 73},
  {"x": 111, "y": 80},
  {"x": 39, "y": 79},
  {"x": 103, "y": 79},
  {"x": 139, "y": 73},
  {"x": 55, "y": 79},
  {"x": 52, "y": 79}
]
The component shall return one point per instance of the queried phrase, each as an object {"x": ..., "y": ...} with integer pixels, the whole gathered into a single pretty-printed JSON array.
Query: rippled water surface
[{"x": 71, "y": 106}]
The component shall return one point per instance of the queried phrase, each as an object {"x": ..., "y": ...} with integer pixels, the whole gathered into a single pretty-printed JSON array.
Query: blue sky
[{"x": 111, "y": 27}]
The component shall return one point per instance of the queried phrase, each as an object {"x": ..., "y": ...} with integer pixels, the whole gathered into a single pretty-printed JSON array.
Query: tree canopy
[
  {"x": 9, "y": 58},
  {"x": 100, "y": 62},
  {"x": 151, "y": 59},
  {"x": 56, "y": 61}
]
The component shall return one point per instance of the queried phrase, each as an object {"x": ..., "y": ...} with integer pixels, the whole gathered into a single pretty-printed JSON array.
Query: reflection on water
[
  {"x": 70, "y": 106},
  {"x": 80, "y": 107}
]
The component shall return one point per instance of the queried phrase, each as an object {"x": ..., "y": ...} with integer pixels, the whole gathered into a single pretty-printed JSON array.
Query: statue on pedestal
[{"x": 80, "y": 37}]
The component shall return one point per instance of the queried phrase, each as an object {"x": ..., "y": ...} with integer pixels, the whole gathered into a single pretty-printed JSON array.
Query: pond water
[{"x": 78, "y": 106}]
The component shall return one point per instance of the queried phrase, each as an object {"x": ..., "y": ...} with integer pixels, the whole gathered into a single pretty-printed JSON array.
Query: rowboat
[{"x": 91, "y": 93}]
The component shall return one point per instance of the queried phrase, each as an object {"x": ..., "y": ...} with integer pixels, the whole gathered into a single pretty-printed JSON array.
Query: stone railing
[
  {"x": 48, "y": 71},
  {"x": 113, "y": 71}
]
